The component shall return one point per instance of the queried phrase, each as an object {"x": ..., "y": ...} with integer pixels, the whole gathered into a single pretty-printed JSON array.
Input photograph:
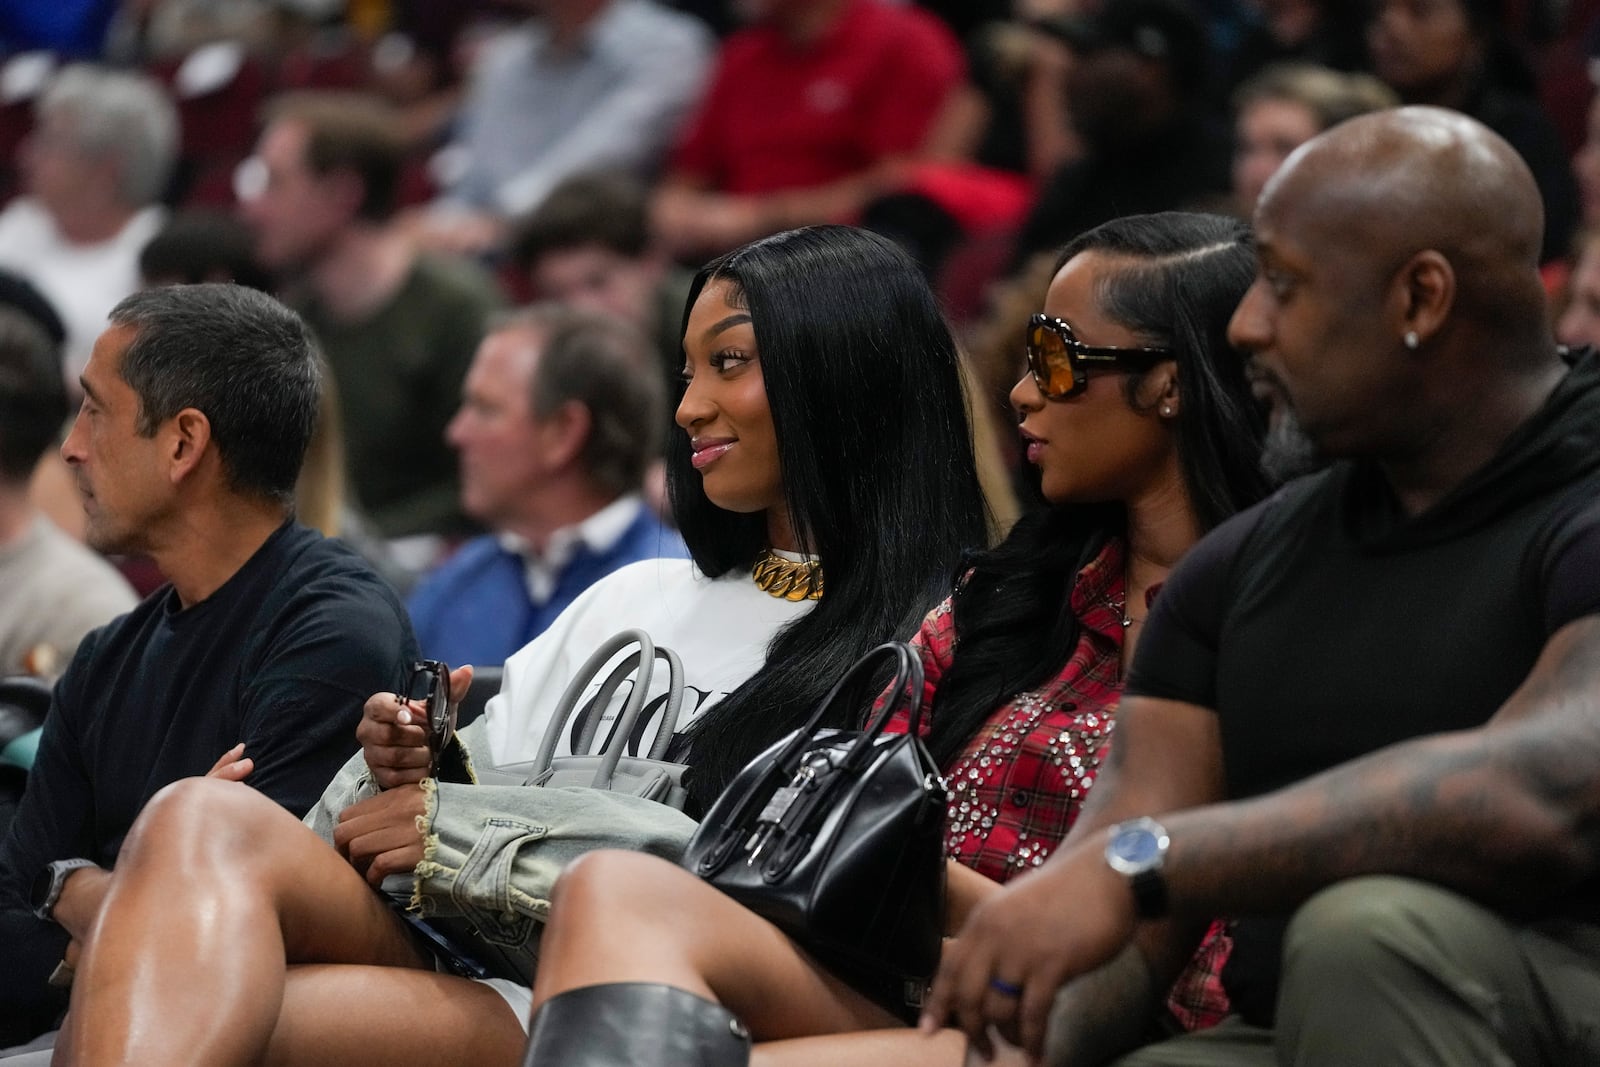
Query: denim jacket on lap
[{"x": 492, "y": 852}]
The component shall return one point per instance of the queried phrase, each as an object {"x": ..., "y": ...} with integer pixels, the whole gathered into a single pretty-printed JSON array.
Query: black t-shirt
[
  {"x": 281, "y": 657},
  {"x": 1324, "y": 624}
]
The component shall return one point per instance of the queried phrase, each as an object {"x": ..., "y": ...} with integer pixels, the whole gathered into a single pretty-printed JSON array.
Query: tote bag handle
[{"x": 643, "y": 660}]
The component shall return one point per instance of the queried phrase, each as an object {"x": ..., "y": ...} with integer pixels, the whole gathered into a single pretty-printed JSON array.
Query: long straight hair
[
  {"x": 1178, "y": 278},
  {"x": 876, "y": 461}
]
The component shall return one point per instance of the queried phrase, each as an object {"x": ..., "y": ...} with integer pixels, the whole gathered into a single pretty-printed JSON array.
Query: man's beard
[{"x": 1288, "y": 451}]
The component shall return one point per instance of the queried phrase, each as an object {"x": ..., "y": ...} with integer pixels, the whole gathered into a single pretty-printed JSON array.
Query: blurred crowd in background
[{"x": 402, "y": 171}]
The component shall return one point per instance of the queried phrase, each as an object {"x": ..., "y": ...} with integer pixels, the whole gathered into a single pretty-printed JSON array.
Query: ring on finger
[{"x": 1005, "y": 988}]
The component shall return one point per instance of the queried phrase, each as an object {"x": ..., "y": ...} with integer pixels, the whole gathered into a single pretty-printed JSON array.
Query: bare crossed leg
[
  {"x": 626, "y": 917},
  {"x": 218, "y": 897}
]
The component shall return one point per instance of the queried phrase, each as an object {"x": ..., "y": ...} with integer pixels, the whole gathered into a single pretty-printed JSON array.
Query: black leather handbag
[{"x": 837, "y": 838}]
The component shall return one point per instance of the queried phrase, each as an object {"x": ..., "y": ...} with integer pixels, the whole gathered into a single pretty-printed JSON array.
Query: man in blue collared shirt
[{"x": 561, "y": 416}]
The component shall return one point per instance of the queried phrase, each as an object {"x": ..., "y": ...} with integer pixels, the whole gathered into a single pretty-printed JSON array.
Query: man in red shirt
[{"x": 810, "y": 114}]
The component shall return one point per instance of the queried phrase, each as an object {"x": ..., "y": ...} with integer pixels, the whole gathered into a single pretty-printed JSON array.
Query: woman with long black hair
[
  {"x": 824, "y": 482},
  {"x": 824, "y": 430},
  {"x": 1138, "y": 415}
]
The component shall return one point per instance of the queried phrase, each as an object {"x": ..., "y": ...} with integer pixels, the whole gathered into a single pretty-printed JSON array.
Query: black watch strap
[
  {"x": 1137, "y": 850},
  {"x": 49, "y": 883},
  {"x": 1149, "y": 894}
]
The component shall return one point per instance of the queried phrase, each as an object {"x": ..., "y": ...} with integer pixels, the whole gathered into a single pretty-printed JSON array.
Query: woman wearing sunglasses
[
  {"x": 823, "y": 478},
  {"x": 1138, "y": 416}
]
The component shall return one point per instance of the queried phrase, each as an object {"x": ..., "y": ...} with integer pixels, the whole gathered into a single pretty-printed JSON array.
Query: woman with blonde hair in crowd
[{"x": 1283, "y": 107}]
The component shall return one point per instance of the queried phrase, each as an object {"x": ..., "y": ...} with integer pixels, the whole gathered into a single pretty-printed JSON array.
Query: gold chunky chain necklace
[{"x": 787, "y": 579}]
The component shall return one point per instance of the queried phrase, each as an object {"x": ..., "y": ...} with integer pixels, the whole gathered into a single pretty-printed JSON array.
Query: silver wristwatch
[
  {"x": 48, "y": 883},
  {"x": 1137, "y": 849}
]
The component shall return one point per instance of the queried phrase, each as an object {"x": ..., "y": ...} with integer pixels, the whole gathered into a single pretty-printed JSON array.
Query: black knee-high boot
[{"x": 635, "y": 1024}]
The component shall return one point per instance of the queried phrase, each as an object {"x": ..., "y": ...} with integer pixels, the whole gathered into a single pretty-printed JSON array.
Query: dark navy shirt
[{"x": 281, "y": 657}]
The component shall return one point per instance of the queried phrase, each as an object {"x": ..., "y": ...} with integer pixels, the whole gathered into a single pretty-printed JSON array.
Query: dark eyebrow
[
  {"x": 736, "y": 319},
  {"x": 88, "y": 389}
]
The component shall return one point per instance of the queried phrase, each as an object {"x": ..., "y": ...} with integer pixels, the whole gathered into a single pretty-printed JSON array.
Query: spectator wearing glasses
[
  {"x": 1137, "y": 415},
  {"x": 397, "y": 327},
  {"x": 1363, "y": 718},
  {"x": 204, "y": 245}
]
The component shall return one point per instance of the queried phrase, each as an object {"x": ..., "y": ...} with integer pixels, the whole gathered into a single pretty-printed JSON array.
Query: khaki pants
[{"x": 1390, "y": 971}]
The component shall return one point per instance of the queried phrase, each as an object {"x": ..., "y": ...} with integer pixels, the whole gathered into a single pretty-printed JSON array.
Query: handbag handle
[
  {"x": 907, "y": 679},
  {"x": 644, "y": 660},
  {"x": 669, "y": 710},
  {"x": 907, "y": 676},
  {"x": 617, "y": 742}
]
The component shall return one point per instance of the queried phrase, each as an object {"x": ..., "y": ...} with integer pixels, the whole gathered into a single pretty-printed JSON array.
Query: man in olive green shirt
[{"x": 397, "y": 327}]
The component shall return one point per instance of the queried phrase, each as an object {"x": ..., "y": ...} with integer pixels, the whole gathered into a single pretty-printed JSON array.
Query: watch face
[{"x": 1136, "y": 846}]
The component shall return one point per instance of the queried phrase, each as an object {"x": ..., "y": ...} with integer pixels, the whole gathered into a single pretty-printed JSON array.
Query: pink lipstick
[{"x": 705, "y": 453}]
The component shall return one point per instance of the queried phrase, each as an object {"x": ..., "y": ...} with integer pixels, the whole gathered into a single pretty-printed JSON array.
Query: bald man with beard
[{"x": 1365, "y": 716}]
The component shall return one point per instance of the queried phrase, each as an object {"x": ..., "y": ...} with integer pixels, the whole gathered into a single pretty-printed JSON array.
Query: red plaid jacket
[{"x": 1018, "y": 785}]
